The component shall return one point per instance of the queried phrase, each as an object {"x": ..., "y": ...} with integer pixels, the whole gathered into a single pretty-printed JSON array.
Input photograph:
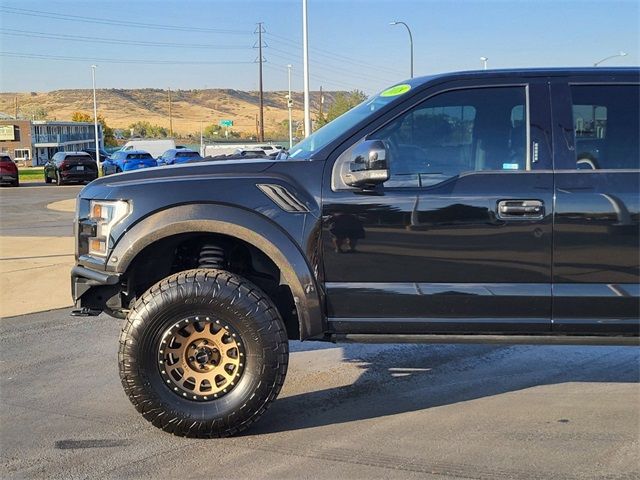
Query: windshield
[{"x": 344, "y": 122}]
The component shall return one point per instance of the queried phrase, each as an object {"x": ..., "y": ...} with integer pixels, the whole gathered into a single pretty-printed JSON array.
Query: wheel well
[{"x": 183, "y": 252}]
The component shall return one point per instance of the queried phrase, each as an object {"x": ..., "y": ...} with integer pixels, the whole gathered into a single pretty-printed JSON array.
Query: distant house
[{"x": 33, "y": 143}]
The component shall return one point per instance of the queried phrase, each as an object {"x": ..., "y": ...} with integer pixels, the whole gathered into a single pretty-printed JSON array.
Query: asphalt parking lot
[{"x": 346, "y": 411}]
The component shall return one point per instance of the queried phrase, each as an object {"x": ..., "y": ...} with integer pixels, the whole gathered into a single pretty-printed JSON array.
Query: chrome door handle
[{"x": 523, "y": 209}]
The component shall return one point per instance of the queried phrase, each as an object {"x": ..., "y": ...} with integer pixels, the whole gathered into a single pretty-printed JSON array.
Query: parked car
[
  {"x": 154, "y": 147},
  {"x": 8, "y": 171},
  {"x": 178, "y": 155},
  {"x": 124, "y": 161},
  {"x": 103, "y": 154},
  {"x": 446, "y": 209},
  {"x": 67, "y": 167}
]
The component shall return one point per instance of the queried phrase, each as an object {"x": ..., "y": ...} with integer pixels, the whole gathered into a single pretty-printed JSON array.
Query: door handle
[{"x": 524, "y": 209}]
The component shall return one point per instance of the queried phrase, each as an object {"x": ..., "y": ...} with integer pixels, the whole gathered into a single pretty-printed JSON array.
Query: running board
[{"x": 487, "y": 339}]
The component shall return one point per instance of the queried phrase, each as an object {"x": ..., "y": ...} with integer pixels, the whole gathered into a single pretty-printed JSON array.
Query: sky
[{"x": 193, "y": 44}]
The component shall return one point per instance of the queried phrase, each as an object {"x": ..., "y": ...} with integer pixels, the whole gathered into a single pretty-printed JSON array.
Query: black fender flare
[{"x": 242, "y": 224}]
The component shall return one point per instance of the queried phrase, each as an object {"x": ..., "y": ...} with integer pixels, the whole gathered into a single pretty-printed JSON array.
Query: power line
[
  {"x": 342, "y": 71},
  {"x": 9, "y": 31},
  {"x": 118, "y": 22},
  {"x": 328, "y": 54},
  {"x": 141, "y": 61},
  {"x": 324, "y": 80}
]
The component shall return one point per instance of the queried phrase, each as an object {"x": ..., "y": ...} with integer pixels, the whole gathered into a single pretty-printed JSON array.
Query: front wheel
[{"x": 203, "y": 353}]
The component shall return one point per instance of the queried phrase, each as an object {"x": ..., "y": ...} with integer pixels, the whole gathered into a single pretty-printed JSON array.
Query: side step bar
[{"x": 487, "y": 339}]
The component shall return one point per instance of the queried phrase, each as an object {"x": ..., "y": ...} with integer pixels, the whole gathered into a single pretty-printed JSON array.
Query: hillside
[{"x": 121, "y": 107}]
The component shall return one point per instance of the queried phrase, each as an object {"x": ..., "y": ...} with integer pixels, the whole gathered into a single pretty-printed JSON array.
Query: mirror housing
[{"x": 369, "y": 165}]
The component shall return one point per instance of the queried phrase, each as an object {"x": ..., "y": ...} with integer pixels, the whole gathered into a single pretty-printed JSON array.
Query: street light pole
[
  {"x": 484, "y": 61},
  {"x": 290, "y": 106},
  {"x": 620, "y": 54},
  {"x": 95, "y": 116},
  {"x": 410, "y": 41},
  {"x": 305, "y": 61}
]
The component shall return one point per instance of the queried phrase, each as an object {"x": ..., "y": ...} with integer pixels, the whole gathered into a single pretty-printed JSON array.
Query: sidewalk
[{"x": 31, "y": 283}]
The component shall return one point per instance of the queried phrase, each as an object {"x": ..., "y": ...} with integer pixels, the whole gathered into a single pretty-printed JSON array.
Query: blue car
[
  {"x": 125, "y": 161},
  {"x": 178, "y": 155}
]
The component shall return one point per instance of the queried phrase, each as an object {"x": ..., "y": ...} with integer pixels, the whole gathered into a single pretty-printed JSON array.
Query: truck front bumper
[{"x": 94, "y": 290}]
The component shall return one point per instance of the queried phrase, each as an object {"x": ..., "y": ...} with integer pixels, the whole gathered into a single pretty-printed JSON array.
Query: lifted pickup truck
[{"x": 453, "y": 208}]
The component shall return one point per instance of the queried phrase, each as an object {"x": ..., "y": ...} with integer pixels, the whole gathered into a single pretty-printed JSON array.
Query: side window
[
  {"x": 606, "y": 126},
  {"x": 456, "y": 132}
]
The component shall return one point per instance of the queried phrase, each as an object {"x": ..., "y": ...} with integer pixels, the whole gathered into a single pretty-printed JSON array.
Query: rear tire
[
  {"x": 16, "y": 183},
  {"x": 47, "y": 179},
  {"x": 177, "y": 315}
]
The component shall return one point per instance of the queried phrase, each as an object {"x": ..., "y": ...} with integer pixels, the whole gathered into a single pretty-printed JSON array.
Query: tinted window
[
  {"x": 456, "y": 132},
  {"x": 606, "y": 126},
  {"x": 139, "y": 156},
  {"x": 187, "y": 154}
]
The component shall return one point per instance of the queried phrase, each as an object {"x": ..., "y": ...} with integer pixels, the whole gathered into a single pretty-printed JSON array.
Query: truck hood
[{"x": 104, "y": 187}]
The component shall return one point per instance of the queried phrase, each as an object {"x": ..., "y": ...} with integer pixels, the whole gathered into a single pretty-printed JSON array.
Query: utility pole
[
  {"x": 16, "y": 115},
  {"x": 170, "y": 116},
  {"x": 321, "y": 103},
  {"x": 260, "y": 60},
  {"x": 257, "y": 128},
  {"x": 305, "y": 62},
  {"x": 290, "y": 106},
  {"x": 95, "y": 115}
]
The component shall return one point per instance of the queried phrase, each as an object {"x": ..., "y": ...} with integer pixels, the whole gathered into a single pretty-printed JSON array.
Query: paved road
[
  {"x": 353, "y": 411},
  {"x": 24, "y": 211}
]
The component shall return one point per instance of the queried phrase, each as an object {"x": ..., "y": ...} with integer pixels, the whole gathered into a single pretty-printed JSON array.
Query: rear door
[
  {"x": 596, "y": 279},
  {"x": 459, "y": 238}
]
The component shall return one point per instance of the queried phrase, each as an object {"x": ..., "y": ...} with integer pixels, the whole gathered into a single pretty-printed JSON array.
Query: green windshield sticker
[{"x": 395, "y": 91}]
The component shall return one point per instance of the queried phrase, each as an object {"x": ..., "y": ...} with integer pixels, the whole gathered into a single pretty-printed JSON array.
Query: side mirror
[{"x": 369, "y": 165}]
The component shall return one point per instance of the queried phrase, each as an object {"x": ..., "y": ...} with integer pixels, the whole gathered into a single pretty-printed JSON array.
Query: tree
[
  {"x": 81, "y": 117},
  {"x": 343, "y": 102},
  {"x": 218, "y": 132},
  {"x": 35, "y": 113},
  {"x": 107, "y": 132},
  {"x": 147, "y": 130}
]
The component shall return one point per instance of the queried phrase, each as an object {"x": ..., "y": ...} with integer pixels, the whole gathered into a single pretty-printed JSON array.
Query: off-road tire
[{"x": 217, "y": 294}]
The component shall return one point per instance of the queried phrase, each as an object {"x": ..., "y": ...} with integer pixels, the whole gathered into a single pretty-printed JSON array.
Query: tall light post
[
  {"x": 290, "y": 106},
  {"x": 305, "y": 61},
  {"x": 484, "y": 61},
  {"x": 619, "y": 54},
  {"x": 95, "y": 115},
  {"x": 410, "y": 40}
]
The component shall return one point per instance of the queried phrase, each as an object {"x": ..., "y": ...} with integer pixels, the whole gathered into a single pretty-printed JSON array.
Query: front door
[{"x": 459, "y": 238}]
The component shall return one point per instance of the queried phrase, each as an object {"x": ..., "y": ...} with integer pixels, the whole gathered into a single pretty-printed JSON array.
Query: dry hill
[{"x": 121, "y": 107}]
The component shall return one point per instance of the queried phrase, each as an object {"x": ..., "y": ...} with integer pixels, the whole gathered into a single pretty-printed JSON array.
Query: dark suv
[
  {"x": 65, "y": 167},
  {"x": 454, "y": 208}
]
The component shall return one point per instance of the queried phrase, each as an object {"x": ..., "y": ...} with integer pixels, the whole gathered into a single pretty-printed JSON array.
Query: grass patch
[{"x": 27, "y": 174}]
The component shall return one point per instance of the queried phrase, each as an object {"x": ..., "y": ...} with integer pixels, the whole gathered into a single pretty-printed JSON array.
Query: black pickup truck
[{"x": 493, "y": 206}]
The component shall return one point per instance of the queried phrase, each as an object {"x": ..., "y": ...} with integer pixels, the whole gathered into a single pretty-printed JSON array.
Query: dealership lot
[{"x": 356, "y": 411}]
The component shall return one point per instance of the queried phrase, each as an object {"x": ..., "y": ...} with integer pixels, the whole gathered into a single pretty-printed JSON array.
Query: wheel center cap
[{"x": 203, "y": 355}]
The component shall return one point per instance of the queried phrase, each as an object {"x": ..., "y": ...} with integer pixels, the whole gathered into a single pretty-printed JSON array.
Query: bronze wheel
[
  {"x": 203, "y": 353},
  {"x": 200, "y": 358}
]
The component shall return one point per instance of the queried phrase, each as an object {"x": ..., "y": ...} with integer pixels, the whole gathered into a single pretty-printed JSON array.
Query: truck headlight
[{"x": 106, "y": 214}]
